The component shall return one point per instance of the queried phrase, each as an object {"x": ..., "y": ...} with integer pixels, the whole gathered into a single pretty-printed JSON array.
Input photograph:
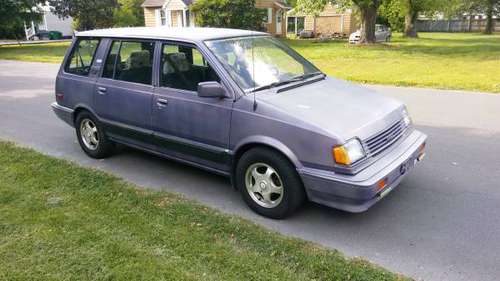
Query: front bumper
[
  {"x": 357, "y": 193},
  {"x": 64, "y": 113}
]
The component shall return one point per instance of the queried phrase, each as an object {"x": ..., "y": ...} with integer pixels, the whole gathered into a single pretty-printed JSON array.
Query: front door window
[{"x": 183, "y": 67}]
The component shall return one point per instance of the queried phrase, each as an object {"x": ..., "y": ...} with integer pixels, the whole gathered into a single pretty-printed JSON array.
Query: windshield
[{"x": 260, "y": 62}]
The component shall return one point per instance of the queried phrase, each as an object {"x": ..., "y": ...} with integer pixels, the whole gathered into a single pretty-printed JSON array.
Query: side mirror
[{"x": 211, "y": 89}]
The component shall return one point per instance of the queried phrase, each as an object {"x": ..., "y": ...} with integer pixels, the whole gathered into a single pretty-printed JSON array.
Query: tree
[
  {"x": 409, "y": 10},
  {"x": 492, "y": 8},
  {"x": 88, "y": 14},
  {"x": 228, "y": 13},
  {"x": 129, "y": 13},
  {"x": 14, "y": 14},
  {"x": 489, "y": 8},
  {"x": 390, "y": 11},
  {"x": 368, "y": 10}
]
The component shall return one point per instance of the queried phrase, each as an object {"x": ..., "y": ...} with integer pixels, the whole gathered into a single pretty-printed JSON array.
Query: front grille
[{"x": 383, "y": 140}]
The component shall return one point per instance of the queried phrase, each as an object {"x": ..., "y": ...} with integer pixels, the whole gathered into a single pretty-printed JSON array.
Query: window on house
[
  {"x": 163, "y": 17},
  {"x": 130, "y": 61},
  {"x": 183, "y": 67},
  {"x": 290, "y": 25},
  {"x": 82, "y": 56},
  {"x": 300, "y": 24},
  {"x": 265, "y": 16},
  {"x": 295, "y": 25}
]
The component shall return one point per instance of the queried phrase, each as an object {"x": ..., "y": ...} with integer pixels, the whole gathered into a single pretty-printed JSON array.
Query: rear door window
[
  {"x": 130, "y": 61},
  {"x": 82, "y": 56}
]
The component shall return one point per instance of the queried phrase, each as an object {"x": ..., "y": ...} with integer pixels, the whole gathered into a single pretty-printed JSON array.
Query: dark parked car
[
  {"x": 46, "y": 35},
  {"x": 240, "y": 104}
]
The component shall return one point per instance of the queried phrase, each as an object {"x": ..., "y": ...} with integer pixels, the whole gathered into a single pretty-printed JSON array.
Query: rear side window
[
  {"x": 130, "y": 61},
  {"x": 82, "y": 56}
]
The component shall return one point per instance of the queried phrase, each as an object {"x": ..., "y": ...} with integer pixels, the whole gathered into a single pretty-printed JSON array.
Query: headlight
[
  {"x": 406, "y": 117},
  {"x": 349, "y": 153}
]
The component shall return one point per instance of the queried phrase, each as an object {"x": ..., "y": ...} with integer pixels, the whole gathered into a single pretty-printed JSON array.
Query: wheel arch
[
  {"x": 80, "y": 108},
  {"x": 265, "y": 142}
]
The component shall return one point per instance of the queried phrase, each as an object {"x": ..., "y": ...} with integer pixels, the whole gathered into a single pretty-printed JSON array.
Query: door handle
[
  {"x": 101, "y": 90},
  {"x": 161, "y": 102}
]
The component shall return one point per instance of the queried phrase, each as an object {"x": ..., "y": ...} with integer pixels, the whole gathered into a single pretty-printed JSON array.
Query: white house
[{"x": 50, "y": 22}]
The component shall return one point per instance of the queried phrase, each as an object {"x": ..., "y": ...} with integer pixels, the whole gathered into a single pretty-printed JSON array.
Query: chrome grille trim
[{"x": 383, "y": 140}]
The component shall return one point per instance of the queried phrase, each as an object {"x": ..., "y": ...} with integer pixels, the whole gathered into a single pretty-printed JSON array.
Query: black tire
[
  {"x": 293, "y": 195},
  {"x": 104, "y": 148}
]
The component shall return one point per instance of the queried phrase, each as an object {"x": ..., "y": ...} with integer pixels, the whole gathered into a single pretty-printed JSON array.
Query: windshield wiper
[{"x": 281, "y": 83}]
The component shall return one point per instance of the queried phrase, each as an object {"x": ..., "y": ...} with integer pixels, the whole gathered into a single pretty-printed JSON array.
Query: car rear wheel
[
  {"x": 269, "y": 183},
  {"x": 91, "y": 136}
]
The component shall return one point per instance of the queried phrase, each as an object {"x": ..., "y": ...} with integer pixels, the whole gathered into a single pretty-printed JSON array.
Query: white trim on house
[
  {"x": 158, "y": 17},
  {"x": 179, "y": 1},
  {"x": 184, "y": 18},
  {"x": 342, "y": 23}
]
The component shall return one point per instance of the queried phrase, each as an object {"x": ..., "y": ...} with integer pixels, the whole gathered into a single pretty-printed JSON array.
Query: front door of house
[
  {"x": 179, "y": 19},
  {"x": 279, "y": 19}
]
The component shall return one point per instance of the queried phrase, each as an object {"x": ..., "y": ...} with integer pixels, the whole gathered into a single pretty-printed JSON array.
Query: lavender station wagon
[{"x": 240, "y": 104}]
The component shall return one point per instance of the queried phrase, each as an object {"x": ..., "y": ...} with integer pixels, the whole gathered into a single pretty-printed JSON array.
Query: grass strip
[{"x": 60, "y": 221}]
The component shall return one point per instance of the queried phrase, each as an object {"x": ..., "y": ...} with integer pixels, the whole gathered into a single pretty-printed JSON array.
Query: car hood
[{"x": 338, "y": 108}]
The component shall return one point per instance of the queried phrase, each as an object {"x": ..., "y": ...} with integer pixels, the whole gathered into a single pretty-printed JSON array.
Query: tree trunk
[
  {"x": 411, "y": 24},
  {"x": 489, "y": 18},
  {"x": 368, "y": 21},
  {"x": 469, "y": 27}
]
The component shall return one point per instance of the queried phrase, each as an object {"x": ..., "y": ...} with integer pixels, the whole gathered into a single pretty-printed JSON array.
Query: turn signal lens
[
  {"x": 349, "y": 153},
  {"x": 340, "y": 155},
  {"x": 421, "y": 148},
  {"x": 381, "y": 184}
]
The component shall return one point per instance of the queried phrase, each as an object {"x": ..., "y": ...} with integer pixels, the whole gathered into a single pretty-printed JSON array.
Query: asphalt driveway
[{"x": 442, "y": 223}]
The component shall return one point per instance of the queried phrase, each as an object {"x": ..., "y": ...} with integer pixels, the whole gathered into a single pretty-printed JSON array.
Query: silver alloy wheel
[
  {"x": 89, "y": 134},
  {"x": 264, "y": 185}
]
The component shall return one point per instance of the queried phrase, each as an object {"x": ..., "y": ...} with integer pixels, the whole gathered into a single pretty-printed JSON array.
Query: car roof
[{"x": 179, "y": 33}]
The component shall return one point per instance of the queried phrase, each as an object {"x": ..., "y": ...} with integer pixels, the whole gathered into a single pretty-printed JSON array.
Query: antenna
[{"x": 253, "y": 73}]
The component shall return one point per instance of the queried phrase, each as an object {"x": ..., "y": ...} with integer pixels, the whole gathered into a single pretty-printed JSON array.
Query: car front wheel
[
  {"x": 269, "y": 183},
  {"x": 91, "y": 136}
]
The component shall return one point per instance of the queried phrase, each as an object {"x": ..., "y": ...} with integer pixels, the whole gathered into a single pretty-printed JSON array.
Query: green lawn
[
  {"x": 59, "y": 221},
  {"x": 436, "y": 60},
  {"x": 52, "y": 52}
]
